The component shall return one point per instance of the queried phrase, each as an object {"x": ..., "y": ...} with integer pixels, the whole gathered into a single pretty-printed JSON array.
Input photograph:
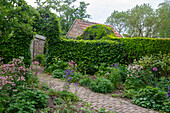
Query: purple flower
[
  {"x": 115, "y": 64},
  {"x": 155, "y": 69},
  {"x": 68, "y": 72},
  {"x": 111, "y": 65},
  {"x": 76, "y": 84},
  {"x": 168, "y": 87}
]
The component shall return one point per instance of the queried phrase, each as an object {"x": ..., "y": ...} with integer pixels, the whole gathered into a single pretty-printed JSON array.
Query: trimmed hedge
[
  {"x": 16, "y": 46},
  {"x": 88, "y": 53},
  {"x": 53, "y": 37}
]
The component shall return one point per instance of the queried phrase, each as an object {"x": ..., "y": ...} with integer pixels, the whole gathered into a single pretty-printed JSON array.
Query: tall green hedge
[
  {"x": 87, "y": 54},
  {"x": 16, "y": 46},
  {"x": 53, "y": 37}
]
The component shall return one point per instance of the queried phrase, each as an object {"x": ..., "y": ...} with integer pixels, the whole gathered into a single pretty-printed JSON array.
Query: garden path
[{"x": 97, "y": 100}]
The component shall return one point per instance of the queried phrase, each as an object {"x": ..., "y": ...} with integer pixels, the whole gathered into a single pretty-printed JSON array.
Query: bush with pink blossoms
[
  {"x": 15, "y": 74},
  {"x": 138, "y": 78}
]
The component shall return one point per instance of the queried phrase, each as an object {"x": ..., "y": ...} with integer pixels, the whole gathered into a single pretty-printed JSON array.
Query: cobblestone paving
[{"x": 97, "y": 100}]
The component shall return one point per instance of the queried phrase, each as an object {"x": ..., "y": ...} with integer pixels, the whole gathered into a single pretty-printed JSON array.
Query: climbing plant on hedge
[
  {"x": 96, "y": 32},
  {"x": 16, "y": 30}
]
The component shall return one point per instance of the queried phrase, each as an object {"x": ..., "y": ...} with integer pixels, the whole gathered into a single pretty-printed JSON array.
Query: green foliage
[
  {"x": 41, "y": 59},
  {"x": 142, "y": 21},
  {"x": 163, "y": 83},
  {"x": 96, "y": 32},
  {"x": 101, "y": 85},
  {"x": 27, "y": 101},
  {"x": 130, "y": 93},
  {"x": 66, "y": 10},
  {"x": 152, "y": 98},
  {"x": 159, "y": 61},
  {"x": 16, "y": 30},
  {"x": 101, "y": 70},
  {"x": 115, "y": 77},
  {"x": 58, "y": 73},
  {"x": 138, "y": 78},
  {"x": 85, "y": 81},
  {"x": 52, "y": 37},
  {"x": 57, "y": 64},
  {"x": 68, "y": 96},
  {"x": 118, "y": 20},
  {"x": 76, "y": 76},
  {"x": 44, "y": 87},
  {"x": 88, "y": 54}
]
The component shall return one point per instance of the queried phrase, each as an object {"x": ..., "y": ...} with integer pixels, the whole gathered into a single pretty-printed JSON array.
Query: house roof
[{"x": 84, "y": 24}]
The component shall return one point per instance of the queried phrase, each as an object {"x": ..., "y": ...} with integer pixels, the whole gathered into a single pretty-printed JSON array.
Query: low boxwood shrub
[
  {"x": 101, "y": 85},
  {"x": 152, "y": 98},
  {"x": 58, "y": 73}
]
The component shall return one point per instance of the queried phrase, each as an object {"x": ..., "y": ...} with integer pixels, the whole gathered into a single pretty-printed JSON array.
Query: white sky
[{"x": 101, "y": 9}]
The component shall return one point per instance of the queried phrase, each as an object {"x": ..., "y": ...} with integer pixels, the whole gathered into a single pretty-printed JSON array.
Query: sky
[{"x": 101, "y": 9}]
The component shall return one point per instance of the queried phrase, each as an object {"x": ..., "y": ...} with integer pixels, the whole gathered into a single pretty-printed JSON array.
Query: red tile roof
[{"x": 84, "y": 24}]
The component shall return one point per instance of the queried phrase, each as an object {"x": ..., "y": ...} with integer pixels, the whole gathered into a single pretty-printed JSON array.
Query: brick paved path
[{"x": 97, "y": 100}]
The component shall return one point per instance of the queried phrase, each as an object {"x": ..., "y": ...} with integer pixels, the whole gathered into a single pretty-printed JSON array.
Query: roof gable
[{"x": 84, "y": 24}]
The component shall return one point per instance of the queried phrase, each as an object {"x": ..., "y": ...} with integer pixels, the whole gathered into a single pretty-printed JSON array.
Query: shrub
[
  {"x": 163, "y": 83},
  {"x": 138, "y": 78},
  {"x": 68, "y": 96},
  {"x": 96, "y": 32},
  {"x": 58, "y": 73},
  {"x": 16, "y": 31},
  {"x": 152, "y": 98},
  {"x": 28, "y": 101},
  {"x": 157, "y": 63},
  {"x": 115, "y": 77},
  {"x": 88, "y": 54},
  {"x": 57, "y": 64},
  {"x": 85, "y": 81},
  {"x": 101, "y": 85},
  {"x": 41, "y": 59},
  {"x": 101, "y": 70},
  {"x": 130, "y": 93}
]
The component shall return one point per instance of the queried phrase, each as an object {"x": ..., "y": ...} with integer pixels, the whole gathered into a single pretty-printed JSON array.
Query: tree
[
  {"x": 15, "y": 16},
  {"x": 163, "y": 14},
  {"x": 66, "y": 11},
  {"x": 140, "y": 20},
  {"x": 118, "y": 20},
  {"x": 143, "y": 21}
]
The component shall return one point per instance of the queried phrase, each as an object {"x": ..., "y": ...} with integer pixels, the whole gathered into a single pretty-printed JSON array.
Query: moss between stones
[{"x": 97, "y": 32}]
